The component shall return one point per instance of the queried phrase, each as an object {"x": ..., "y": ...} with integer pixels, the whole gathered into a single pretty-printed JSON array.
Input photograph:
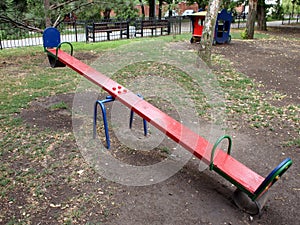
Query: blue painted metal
[
  {"x": 222, "y": 28},
  {"x": 101, "y": 103},
  {"x": 103, "y": 109},
  {"x": 273, "y": 177},
  {"x": 144, "y": 121},
  {"x": 51, "y": 37}
]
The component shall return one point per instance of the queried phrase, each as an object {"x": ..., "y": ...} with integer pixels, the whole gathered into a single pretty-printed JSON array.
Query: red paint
[
  {"x": 238, "y": 171},
  {"x": 194, "y": 143},
  {"x": 198, "y": 23}
]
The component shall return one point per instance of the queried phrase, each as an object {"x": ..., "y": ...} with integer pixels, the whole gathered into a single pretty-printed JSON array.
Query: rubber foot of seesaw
[{"x": 245, "y": 203}]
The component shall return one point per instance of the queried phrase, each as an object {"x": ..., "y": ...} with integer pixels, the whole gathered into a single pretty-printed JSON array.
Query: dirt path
[{"x": 274, "y": 63}]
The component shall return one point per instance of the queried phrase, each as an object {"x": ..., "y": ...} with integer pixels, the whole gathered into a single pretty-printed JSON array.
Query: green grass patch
[
  {"x": 60, "y": 105},
  {"x": 295, "y": 142},
  {"x": 238, "y": 34}
]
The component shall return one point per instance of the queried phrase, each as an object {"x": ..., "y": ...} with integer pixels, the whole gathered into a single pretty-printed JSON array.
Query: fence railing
[
  {"x": 12, "y": 37},
  {"x": 290, "y": 18}
]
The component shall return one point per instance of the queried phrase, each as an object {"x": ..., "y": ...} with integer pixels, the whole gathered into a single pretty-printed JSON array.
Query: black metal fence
[
  {"x": 290, "y": 18},
  {"x": 11, "y": 37}
]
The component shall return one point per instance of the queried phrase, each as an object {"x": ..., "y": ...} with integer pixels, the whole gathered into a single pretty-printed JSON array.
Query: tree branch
[
  {"x": 56, "y": 6},
  {"x": 60, "y": 19},
  {"x": 82, "y": 5},
  {"x": 20, "y": 24}
]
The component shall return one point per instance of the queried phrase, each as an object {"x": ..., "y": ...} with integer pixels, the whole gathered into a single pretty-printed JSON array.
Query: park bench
[
  {"x": 153, "y": 25},
  {"x": 108, "y": 27}
]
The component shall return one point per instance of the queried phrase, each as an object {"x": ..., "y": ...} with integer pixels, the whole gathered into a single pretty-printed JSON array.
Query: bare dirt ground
[
  {"x": 274, "y": 63},
  {"x": 188, "y": 197}
]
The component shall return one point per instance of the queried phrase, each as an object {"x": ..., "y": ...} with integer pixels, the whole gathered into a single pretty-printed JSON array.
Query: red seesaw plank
[
  {"x": 191, "y": 141},
  {"x": 238, "y": 171}
]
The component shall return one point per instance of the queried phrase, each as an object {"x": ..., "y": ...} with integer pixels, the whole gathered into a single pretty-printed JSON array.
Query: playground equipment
[
  {"x": 222, "y": 28},
  {"x": 101, "y": 103},
  {"x": 250, "y": 185},
  {"x": 197, "y": 25}
]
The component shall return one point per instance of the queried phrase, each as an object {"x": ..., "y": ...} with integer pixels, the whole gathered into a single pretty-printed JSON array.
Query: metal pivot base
[
  {"x": 245, "y": 203},
  {"x": 105, "y": 123},
  {"x": 54, "y": 62}
]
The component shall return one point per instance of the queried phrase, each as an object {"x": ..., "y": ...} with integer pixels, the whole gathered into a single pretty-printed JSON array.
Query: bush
[{"x": 244, "y": 34}]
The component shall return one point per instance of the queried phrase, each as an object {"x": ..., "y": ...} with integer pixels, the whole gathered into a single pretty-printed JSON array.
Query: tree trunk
[
  {"x": 251, "y": 19},
  {"x": 209, "y": 31},
  {"x": 143, "y": 8},
  {"x": 151, "y": 8},
  {"x": 261, "y": 17},
  {"x": 160, "y": 3},
  {"x": 106, "y": 13},
  {"x": 47, "y": 18}
]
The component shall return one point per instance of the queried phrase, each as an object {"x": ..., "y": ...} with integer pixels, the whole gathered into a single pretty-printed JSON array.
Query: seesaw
[{"x": 250, "y": 185}]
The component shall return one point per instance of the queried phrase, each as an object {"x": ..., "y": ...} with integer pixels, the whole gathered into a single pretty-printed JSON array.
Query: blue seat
[{"x": 51, "y": 37}]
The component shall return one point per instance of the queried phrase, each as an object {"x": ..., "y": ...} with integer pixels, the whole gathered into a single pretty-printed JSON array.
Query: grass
[
  {"x": 36, "y": 164},
  {"x": 60, "y": 105},
  {"x": 295, "y": 142},
  {"x": 237, "y": 34}
]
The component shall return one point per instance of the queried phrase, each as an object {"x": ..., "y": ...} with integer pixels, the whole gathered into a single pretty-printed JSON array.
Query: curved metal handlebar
[
  {"x": 53, "y": 59},
  {"x": 273, "y": 177},
  {"x": 211, "y": 165},
  {"x": 60, "y": 44}
]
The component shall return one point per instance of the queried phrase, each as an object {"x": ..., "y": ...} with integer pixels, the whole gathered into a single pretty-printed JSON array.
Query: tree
[
  {"x": 209, "y": 30},
  {"x": 50, "y": 11},
  {"x": 13, "y": 11},
  {"x": 201, "y": 3},
  {"x": 143, "y": 8},
  {"x": 47, "y": 17},
  {"x": 293, "y": 7},
  {"x": 249, "y": 32},
  {"x": 125, "y": 9},
  {"x": 278, "y": 10},
  {"x": 106, "y": 13},
  {"x": 261, "y": 15},
  {"x": 171, "y": 6},
  {"x": 36, "y": 15},
  {"x": 151, "y": 8},
  {"x": 160, "y": 4}
]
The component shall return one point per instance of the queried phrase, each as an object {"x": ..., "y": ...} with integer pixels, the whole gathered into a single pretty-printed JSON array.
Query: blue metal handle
[{"x": 273, "y": 177}]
